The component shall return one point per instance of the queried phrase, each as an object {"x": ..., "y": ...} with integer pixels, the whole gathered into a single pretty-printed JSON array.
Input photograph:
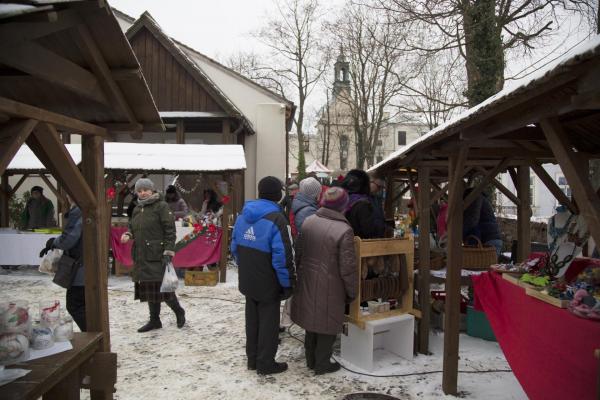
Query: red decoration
[
  {"x": 212, "y": 228},
  {"x": 225, "y": 199},
  {"x": 197, "y": 228},
  {"x": 111, "y": 193}
]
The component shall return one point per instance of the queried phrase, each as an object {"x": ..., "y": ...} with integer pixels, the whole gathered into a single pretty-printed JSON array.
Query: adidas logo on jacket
[{"x": 262, "y": 247}]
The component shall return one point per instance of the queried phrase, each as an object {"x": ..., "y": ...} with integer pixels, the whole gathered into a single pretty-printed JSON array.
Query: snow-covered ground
[{"x": 206, "y": 359}]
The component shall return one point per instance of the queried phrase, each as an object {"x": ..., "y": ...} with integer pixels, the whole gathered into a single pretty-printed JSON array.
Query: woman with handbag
[{"x": 152, "y": 227}]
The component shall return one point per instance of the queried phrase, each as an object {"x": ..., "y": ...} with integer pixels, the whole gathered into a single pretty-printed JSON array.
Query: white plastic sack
[
  {"x": 170, "y": 280},
  {"x": 49, "y": 263}
]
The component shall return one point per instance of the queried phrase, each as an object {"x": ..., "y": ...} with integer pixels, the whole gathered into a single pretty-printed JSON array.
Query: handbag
[{"x": 66, "y": 271}]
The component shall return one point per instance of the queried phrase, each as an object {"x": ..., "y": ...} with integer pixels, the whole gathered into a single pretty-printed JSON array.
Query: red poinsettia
[
  {"x": 111, "y": 193},
  {"x": 212, "y": 228},
  {"x": 197, "y": 228},
  {"x": 225, "y": 199}
]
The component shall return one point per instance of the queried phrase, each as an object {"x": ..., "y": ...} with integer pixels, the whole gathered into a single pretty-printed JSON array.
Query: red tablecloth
[
  {"x": 200, "y": 251},
  {"x": 550, "y": 350}
]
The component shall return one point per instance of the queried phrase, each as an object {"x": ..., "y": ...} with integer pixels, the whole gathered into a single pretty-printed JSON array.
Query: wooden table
[{"x": 54, "y": 377}]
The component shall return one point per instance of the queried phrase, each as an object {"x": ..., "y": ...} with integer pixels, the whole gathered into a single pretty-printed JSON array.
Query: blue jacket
[
  {"x": 71, "y": 242},
  {"x": 261, "y": 245},
  {"x": 303, "y": 207}
]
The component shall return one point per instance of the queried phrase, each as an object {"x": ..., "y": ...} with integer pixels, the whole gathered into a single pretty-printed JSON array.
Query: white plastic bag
[
  {"x": 170, "y": 280},
  {"x": 49, "y": 263}
]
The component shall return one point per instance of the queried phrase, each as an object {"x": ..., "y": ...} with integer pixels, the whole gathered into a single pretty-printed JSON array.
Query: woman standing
[
  {"x": 153, "y": 228},
  {"x": 327, "y": 281}
]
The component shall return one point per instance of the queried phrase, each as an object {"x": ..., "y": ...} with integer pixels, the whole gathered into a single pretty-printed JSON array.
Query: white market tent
[
  {"x": 317, "y": 166},
  {"x": 150, "y": 157}
]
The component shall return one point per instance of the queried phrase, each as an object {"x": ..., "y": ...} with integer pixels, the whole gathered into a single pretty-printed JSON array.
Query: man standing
[
  {"x": 262, "y": 247},
  {"x": 39, "y": 211}
]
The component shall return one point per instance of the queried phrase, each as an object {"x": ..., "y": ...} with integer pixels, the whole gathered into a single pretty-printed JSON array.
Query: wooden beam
[
  {"x": 34, "y": 59},
  {"x": 523, "y": 215},
  {"x": 180, "y": 132},
  {"x": 12, "y": 136},
  {"x": 18, "y": 184},
  {"x": 94, "y": 57},
  {"x": 21, "y": 110},
  {"x": 413, "y": 192},
  {"x": 424, "y": 258},
  {"x": 576, "y": 173},
  {"x": 515, "y": 180},
  {"x": 126, "y": 74},
  {"x": 15, "y": 32},
  {"x": 552, "y": 186},
  {"x": 503, "y": 189},
  {"x": 438, "y": 195},
  {"x": 401, "y": 193},
  {"x": 227, "y": 138},
  {"x": 95, "y": 240},
  {"x": 454, "y": 265},
  {"x": 4, "y": 202},
  {"x": 487, "y": 179},
  {"x": 389, "y": 198},
  {"x": 61, "y": 199},
  {"x": 49, "y": 149},
  {"x": 225, "y": 236}
]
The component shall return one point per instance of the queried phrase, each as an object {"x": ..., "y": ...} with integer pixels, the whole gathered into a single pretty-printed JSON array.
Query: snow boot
[
  {"x": 178, "y": 310},
  {"x": 276, "y": 368},
  {"x": 332, "y": 367},
  {"x": 154, "y": 322}
]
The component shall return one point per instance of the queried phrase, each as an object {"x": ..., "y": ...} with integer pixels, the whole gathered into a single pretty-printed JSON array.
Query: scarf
[{"x": 151, "y": 199}]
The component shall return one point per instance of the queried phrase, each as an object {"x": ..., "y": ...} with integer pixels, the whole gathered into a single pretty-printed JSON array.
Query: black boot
[
  {"x": 276, "y": 368},
  {"x": 331, "y": 367},
  {"x": 154, "y": 322},
  {"x": 178, "y": 310}
]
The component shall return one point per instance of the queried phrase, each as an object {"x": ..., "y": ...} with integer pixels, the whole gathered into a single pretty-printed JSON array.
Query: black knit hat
[
  {"x": 37, "y": 189},
  {"x": 269, "y": 188},
  {"x": 171, "y": 189},
  {"x": 356, "y": 181}
]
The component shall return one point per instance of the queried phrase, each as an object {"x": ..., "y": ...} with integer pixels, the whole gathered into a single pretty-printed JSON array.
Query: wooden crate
[
  {"x": 383, "y": 247},
  {"x": 547, "y": 298},
  {"x": 201, "y": 278}
]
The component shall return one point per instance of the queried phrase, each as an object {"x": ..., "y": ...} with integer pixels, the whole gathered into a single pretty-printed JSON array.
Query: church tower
[{"x": 341, "y": 82}]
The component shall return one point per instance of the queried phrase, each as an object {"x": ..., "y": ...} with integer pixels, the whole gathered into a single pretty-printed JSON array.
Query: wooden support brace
[
  {"x": 424, "y": 258},
  {"x": 18, "y": 184},
  {"x": 54, "y": 190},
  {"x": 552, "y": 186},
  {"x": 487, "y": 179},
  {"x": 12, "y": 136},
  {"x": 523, "y": 214}
]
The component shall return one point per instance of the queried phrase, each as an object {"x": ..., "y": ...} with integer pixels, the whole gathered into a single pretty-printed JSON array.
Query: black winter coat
[{"x": 361, "y": 216}]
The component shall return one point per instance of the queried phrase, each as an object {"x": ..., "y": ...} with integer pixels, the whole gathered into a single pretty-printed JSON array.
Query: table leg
[{"x": 67, "y": 389}]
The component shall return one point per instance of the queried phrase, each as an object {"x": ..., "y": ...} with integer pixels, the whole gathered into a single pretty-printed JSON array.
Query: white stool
[{"x": 394, "y": 334}]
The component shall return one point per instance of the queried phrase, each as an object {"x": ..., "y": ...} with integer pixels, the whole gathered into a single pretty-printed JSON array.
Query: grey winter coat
[
  {"x": 326, "y": 273},
  {"x": 152, "y": 227},
  {"x": 303, "y": 207}
]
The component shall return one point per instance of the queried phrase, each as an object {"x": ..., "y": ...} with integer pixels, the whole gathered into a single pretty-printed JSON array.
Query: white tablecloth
[{"x": 22, "y": 248}]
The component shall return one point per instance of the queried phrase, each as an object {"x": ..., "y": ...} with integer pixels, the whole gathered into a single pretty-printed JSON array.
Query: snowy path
[{"x": 206, "y": 358}]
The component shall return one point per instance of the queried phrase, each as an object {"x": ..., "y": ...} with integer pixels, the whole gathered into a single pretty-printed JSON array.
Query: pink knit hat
[{"x": 335, "y": 198}]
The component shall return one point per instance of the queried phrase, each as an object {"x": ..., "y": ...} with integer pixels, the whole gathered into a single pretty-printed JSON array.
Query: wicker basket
[
  {"x": 437, "y": 261},
  {"x": 479, "y": 256}
]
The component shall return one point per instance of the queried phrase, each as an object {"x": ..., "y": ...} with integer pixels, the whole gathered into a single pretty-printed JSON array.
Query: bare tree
[
  {"x": 251, "y": 65},
  {"x": 372, "y": 44},
  {"x": 293, "y": 36},
  {"x": 482, "y": 30}
]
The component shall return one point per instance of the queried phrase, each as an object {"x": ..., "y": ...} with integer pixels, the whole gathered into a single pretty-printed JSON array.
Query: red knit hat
[{"x": 335, "y": 198}]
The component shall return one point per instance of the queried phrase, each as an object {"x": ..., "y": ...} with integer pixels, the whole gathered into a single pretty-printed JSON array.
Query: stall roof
[
  {"x": 150, "y": 157},
  {"x": 316, "y": 166},
  {"x": 509, "y": 97}
]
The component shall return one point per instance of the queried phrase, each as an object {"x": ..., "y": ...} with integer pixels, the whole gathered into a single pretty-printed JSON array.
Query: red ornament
[
  {"x": 197, "y": 228},
  {"x": 225, "y": 199},
  {"x": 111, "y": 193},
  {"x": 212, "y": 228}
]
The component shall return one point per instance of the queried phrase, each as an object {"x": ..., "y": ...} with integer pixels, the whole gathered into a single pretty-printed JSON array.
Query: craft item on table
[
  {"x": 49, "y": 264},
  {"x": 64, "y": 331},
  {"x": 12, "y": 374},
  {"x": 585, "y": 305},
  {"x": 41, "y": 336},
  {"x": 559, "y": 290},
  {"x": 560, "y": 259},
  {"x": 540, "y": 281},
  {"x": 15, "y": 317},
  {"x": 566, "y": 227},
  {"x": 50, "y": 313},
  {"x": 14, "y": 347}
]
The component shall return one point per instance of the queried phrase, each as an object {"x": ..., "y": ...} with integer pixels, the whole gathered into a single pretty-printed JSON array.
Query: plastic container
[
  {"x": 478, "y": 325},
  {"x": 50, "y": 313},
  {"x": 64, "y": 331},
  {"x": 41, "y": 336},
  {"x": 14, "y": 348},
  {"x": 15, "y": 317}
]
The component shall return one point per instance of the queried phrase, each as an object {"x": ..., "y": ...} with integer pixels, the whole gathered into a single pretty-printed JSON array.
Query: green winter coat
[{"x": 152, "y": 227}]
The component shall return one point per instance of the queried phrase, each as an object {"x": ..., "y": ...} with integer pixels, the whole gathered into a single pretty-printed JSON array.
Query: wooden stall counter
[{"x": 58, "y": 376}]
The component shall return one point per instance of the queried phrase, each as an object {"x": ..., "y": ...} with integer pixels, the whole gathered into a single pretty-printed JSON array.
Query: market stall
[
  {"x": 550, "y": 118},
  {"x": 67, "y": 69}
]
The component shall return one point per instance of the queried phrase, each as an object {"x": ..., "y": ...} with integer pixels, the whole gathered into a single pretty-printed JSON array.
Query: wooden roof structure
[
  {"x": 553, "y": 118},
  {"x": 66, "y": 67}
]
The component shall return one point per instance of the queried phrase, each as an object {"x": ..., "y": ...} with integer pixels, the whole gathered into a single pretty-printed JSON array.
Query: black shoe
[
  {"x": 310, "y": 364},
  {"x": 332, "y": 367},
  {"x": 276, "y": 368},
  {"x": 251, "y": 366},
  {"x": 152, "y": 324},
  {"x": 180, "y": 318}
]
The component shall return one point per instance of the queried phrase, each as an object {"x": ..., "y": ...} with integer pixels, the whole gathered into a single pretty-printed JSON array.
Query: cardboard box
[{"x": 201, "y": 278}]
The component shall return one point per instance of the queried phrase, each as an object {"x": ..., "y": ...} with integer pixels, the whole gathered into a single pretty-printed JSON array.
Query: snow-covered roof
[
  {"x": 191, "y": 114},
  {"x": 317, "y": 166},
  {"x": 150, "y": 157},
  {"x": 579, "y": 54}
]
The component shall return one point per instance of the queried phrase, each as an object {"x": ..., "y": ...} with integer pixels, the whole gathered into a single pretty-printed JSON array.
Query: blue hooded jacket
[
  {"x": 303, "y": 207},
  {"x": 261, "y": 244}
]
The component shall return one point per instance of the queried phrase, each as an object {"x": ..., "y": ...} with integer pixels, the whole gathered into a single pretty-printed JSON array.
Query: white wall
[{"x": 270, "y": 132}]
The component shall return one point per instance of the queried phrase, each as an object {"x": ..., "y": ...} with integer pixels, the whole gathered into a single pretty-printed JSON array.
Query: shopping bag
[
  {"x": 49, "y": 263},
  {"x": 170, "y": 280}
]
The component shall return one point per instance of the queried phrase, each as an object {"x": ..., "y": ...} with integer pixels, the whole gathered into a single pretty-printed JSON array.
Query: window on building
[
  {"x": 306, "y": 145},
  {"x": 564, "y": 186},
  {"x": 401, "y": 138},
  {"x": 379, "y": 143}
]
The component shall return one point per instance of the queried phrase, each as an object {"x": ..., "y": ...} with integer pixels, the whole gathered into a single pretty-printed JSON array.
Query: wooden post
[
  {"x": 523, "y": 214},
  {"x": 95, "y": 247},
  {"x": 4, "y": 201},
  {"x": 225, "y": 235},
  {"x": 576, "y": 171},
  {"x": 389, "y": 198},
  {"x": 180, "y": 132},
  {"x": 454, "y": 266},
  {"x": 227, "y": 139},
  {"x": 424, "y": 258}
]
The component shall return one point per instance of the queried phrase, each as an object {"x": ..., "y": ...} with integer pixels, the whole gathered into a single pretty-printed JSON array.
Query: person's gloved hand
[
  {"x": 49, "y": 246},
  {"x": 286, "y": 293},
  {"x": 167, "y": 259}
]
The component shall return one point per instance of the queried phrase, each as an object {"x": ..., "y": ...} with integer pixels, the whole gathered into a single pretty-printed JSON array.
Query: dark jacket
[
  {"x": 152, "y": 227},
  {"x": 71, "y": 242},
  {"x": 38, "y": 213},
  {"x": 303, "y": 207},
  {"x": 327, "y": 273},
  {"x": 179, "y": 208},
  {"x": 360, "y": 213},
  {"x": 378, "y": 215},
  {"x": 479, "y": 220},
  {"x": 261, "y": 244}
]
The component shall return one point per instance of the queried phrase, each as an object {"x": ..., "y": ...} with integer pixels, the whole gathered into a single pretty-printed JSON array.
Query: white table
[{"x": 22, "y": 248}]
